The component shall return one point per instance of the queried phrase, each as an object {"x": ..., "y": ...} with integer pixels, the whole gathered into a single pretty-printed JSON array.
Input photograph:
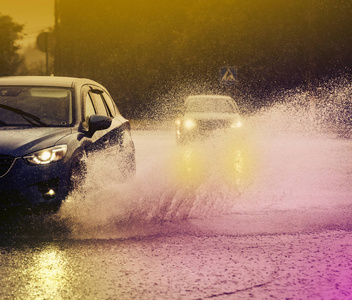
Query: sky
[{"x": 35, "y": 15}]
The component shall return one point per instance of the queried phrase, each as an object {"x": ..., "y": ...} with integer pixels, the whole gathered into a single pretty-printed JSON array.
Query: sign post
[{"x": 43, "y": 45}]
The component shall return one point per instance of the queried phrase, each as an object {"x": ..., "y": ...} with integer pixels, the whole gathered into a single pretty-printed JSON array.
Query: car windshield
[
  {"x": 35, "y": 106},
  {"x": 208, "y": 105}
]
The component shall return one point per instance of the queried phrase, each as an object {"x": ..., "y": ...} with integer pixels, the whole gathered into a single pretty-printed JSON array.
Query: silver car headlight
[
  {"x": 237, "y": 124},
  {"x": 47, "y": 156},
  {"x": 189, "y": 124}
]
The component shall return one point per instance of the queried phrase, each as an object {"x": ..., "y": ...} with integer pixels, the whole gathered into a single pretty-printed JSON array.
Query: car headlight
[
  {"x": 189, "y": 124},
  {"x": 237, "y": 124},
  {"x": 47, "y": 155}
]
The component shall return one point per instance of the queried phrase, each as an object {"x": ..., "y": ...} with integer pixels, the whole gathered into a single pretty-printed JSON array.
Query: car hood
[
  {"x": 211, "y": 116},
  {"x": 21, "y": 141}
]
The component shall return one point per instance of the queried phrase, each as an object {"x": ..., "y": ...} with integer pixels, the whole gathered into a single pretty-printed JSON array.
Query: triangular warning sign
[{"x": 228, "y": 76}]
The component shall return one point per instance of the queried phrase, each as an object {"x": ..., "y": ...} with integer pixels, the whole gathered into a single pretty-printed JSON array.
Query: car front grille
[
  {"x": 213, "y": 124},
  {"x": 5, "y": 163}
]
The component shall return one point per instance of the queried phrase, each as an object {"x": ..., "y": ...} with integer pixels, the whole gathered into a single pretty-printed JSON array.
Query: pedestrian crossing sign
[{"x": 228, "y": 75}]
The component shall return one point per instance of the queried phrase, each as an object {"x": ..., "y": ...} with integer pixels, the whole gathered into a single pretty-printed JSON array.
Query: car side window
[
  {"x": 89, "y": 106},
  {"x": 88, "y": 110},
  {"x": 99, "y": 104},
  {"x": 110, "y": 104}
]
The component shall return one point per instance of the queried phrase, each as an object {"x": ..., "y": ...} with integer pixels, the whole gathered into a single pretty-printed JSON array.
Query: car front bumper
[
  {"x": 33, "y": 186},
  {"x": 197, "y": 133}
]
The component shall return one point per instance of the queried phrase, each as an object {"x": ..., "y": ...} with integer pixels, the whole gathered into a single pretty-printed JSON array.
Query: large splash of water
[{"x": 288, "y": 157}]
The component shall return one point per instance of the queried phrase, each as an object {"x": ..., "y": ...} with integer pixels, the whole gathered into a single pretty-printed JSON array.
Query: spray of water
[{"x": 287, "y": 157}]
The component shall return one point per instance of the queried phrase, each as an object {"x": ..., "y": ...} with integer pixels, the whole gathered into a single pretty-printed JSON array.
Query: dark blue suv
[{"x": 48, "y": 127}]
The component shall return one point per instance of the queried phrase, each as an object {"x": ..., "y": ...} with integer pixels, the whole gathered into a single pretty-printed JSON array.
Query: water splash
[{"x": 288, "y": 158}]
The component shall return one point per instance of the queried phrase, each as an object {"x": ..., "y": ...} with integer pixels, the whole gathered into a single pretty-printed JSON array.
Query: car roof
[
  {"x": 208, "y": 97},
  {"x": 56, "y": 81}
]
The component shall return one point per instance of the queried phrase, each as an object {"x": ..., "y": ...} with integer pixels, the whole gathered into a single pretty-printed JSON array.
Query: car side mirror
[{"x": 98, "y": 122}]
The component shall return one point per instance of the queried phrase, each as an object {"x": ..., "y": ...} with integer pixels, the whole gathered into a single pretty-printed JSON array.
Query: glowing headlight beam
[
  {"x": 237, "y": 124},
  {"x": 47, "y": 156},
  {"x": 189, "y": 124}
]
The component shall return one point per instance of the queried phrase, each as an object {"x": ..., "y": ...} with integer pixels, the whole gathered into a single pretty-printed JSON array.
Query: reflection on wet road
[
  {"x": 224, "y": 159},
  {"x": 299, "y": 266}
]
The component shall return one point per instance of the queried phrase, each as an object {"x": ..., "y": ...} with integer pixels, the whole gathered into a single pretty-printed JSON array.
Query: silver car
[{"x": 205, "y": 115}]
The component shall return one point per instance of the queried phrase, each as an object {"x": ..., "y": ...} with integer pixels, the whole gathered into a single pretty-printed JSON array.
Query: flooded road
[
  {"x": 180, "y": 266},
  {"x": 268, "y": 217}
]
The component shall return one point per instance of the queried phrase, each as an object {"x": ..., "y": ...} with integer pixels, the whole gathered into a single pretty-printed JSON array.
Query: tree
[{"x": 10, "y": 60}]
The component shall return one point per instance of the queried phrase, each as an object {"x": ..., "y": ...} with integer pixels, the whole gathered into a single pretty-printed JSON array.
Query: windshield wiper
[{"x": 25, "y": 115}]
